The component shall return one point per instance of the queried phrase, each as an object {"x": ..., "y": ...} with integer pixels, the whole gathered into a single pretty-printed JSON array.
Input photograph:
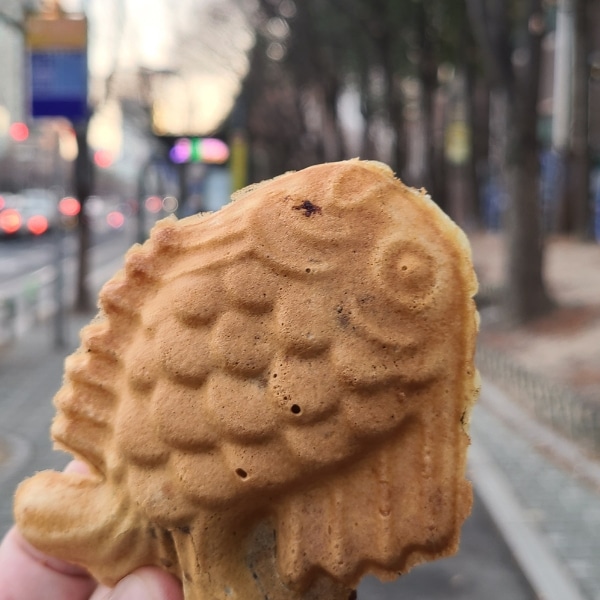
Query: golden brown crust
[{"x": 300, "y": 362}]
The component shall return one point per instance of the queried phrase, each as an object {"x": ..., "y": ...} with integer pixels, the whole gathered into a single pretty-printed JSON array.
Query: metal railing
[
  {"x": 573, "y": 414},
  {"x": 27, "y": 301}
]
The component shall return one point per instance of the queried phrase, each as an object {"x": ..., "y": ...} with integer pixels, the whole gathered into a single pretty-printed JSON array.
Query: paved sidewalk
[
  {"x": 556, "y": 489},
  {"x": 549, "y": 372}
]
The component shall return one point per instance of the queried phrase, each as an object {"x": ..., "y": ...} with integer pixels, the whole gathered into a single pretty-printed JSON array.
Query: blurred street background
[{"x": 117, "y": 113}]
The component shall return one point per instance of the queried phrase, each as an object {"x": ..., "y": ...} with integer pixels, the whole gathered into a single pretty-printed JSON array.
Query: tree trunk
[
  {"x": 525, "y": 292},
  {"x": 393, "y": 101},
  {"x": 367, "y": 147},
  {"x": 427, "y": 71},
  {"x": 526, "y": 296},
  {"x": 459, "y": 152},
  {"x": 468, "y": 52},
  {"x": 333, "y": 137},
  {"x": 471, "y": 174}
]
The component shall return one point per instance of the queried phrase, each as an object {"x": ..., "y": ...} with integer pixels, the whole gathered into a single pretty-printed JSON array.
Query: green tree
[{"x": 376, "y": 44}]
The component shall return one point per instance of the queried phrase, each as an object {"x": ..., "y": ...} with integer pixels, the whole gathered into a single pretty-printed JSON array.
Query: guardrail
[
  {"x": 575, "y": 415},
  {"x": 27, "y": 301},
  {"x": 48, "y": 292}
]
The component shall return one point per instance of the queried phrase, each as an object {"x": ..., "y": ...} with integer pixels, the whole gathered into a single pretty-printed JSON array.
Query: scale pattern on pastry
[{"x": 300, "y": 363}]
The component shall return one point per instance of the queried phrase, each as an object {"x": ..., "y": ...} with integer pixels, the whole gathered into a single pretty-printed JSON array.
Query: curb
[{"x": 541, "y": 567}]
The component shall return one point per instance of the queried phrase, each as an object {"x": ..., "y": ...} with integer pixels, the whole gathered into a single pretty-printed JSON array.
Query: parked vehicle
[
  {"x": 11, "y": 218},
  {"x": 32, "y": 212},
  {"x": 40, "y": 208}
]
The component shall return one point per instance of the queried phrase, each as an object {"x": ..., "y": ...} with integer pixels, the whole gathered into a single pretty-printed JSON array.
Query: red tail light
[
  {"x": 115, "y": 219},
  {"x": 10, "y": 220},
  {"x": 69, "y": 206},
  {"x": 37, "y": 224}
]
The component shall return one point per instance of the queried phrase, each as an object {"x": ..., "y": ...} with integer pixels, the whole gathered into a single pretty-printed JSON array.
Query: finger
[
  {"x": 77, "y": 466},
  {"x": 146, "y": 583},
  {"x": 28, "y": 574}
]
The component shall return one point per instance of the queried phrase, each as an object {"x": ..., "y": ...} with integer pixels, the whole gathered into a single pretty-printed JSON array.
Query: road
[
  {"x": 20, "y": 256},
  {"x": 25, "y": 255}
]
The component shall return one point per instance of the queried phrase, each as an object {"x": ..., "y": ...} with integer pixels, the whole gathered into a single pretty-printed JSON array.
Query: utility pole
[
  {"x": 580, "y": 155},
  {"x": 570, "y": 116},
  {"x": 83, "y": 176},
  {"x": 562, "y": 92}
]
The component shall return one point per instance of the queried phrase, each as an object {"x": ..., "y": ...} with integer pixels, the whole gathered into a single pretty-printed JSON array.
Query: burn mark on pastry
[
  {"x": 241, "y": 473},
  {"x": 296, "y": 409},
  {"x": 309, "y": 208},
  {"x": 343, "y": 320}
]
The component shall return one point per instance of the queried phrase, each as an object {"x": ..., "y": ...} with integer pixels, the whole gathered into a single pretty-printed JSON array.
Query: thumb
[{"x": 147, "y": 583}]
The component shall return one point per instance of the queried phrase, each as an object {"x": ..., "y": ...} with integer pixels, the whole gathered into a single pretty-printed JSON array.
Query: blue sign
[
  {"x": 57, "y": 66},
  {"x": 58, "y": 84}
]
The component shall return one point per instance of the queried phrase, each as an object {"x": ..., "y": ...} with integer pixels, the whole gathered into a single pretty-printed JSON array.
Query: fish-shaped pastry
[{"x": 274, "y": 398}]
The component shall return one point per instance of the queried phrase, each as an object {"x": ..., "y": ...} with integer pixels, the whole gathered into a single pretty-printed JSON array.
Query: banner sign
[{"x": 57, "y": 67}]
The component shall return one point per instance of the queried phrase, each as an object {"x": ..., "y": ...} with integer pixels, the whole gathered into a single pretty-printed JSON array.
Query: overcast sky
[{"x": 203, "y": 42}]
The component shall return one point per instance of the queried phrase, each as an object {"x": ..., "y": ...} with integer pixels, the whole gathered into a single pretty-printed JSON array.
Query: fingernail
[{"x": 134, "y": 587}]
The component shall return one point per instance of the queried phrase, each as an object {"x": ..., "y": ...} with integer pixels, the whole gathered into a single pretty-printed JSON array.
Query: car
[
  {"x": 11, "y": 218},
  {"x": 40, "y": 211},
  {"x": 32, "y": 212},
  {"x": 106, "y": 214}
]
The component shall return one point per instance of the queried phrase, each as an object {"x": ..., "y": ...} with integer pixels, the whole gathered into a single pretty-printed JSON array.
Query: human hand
[{"x": 28, "y": 574}]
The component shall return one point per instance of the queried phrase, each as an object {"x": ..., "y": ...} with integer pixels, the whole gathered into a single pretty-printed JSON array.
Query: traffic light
[{"x": 211, "y": 151}]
